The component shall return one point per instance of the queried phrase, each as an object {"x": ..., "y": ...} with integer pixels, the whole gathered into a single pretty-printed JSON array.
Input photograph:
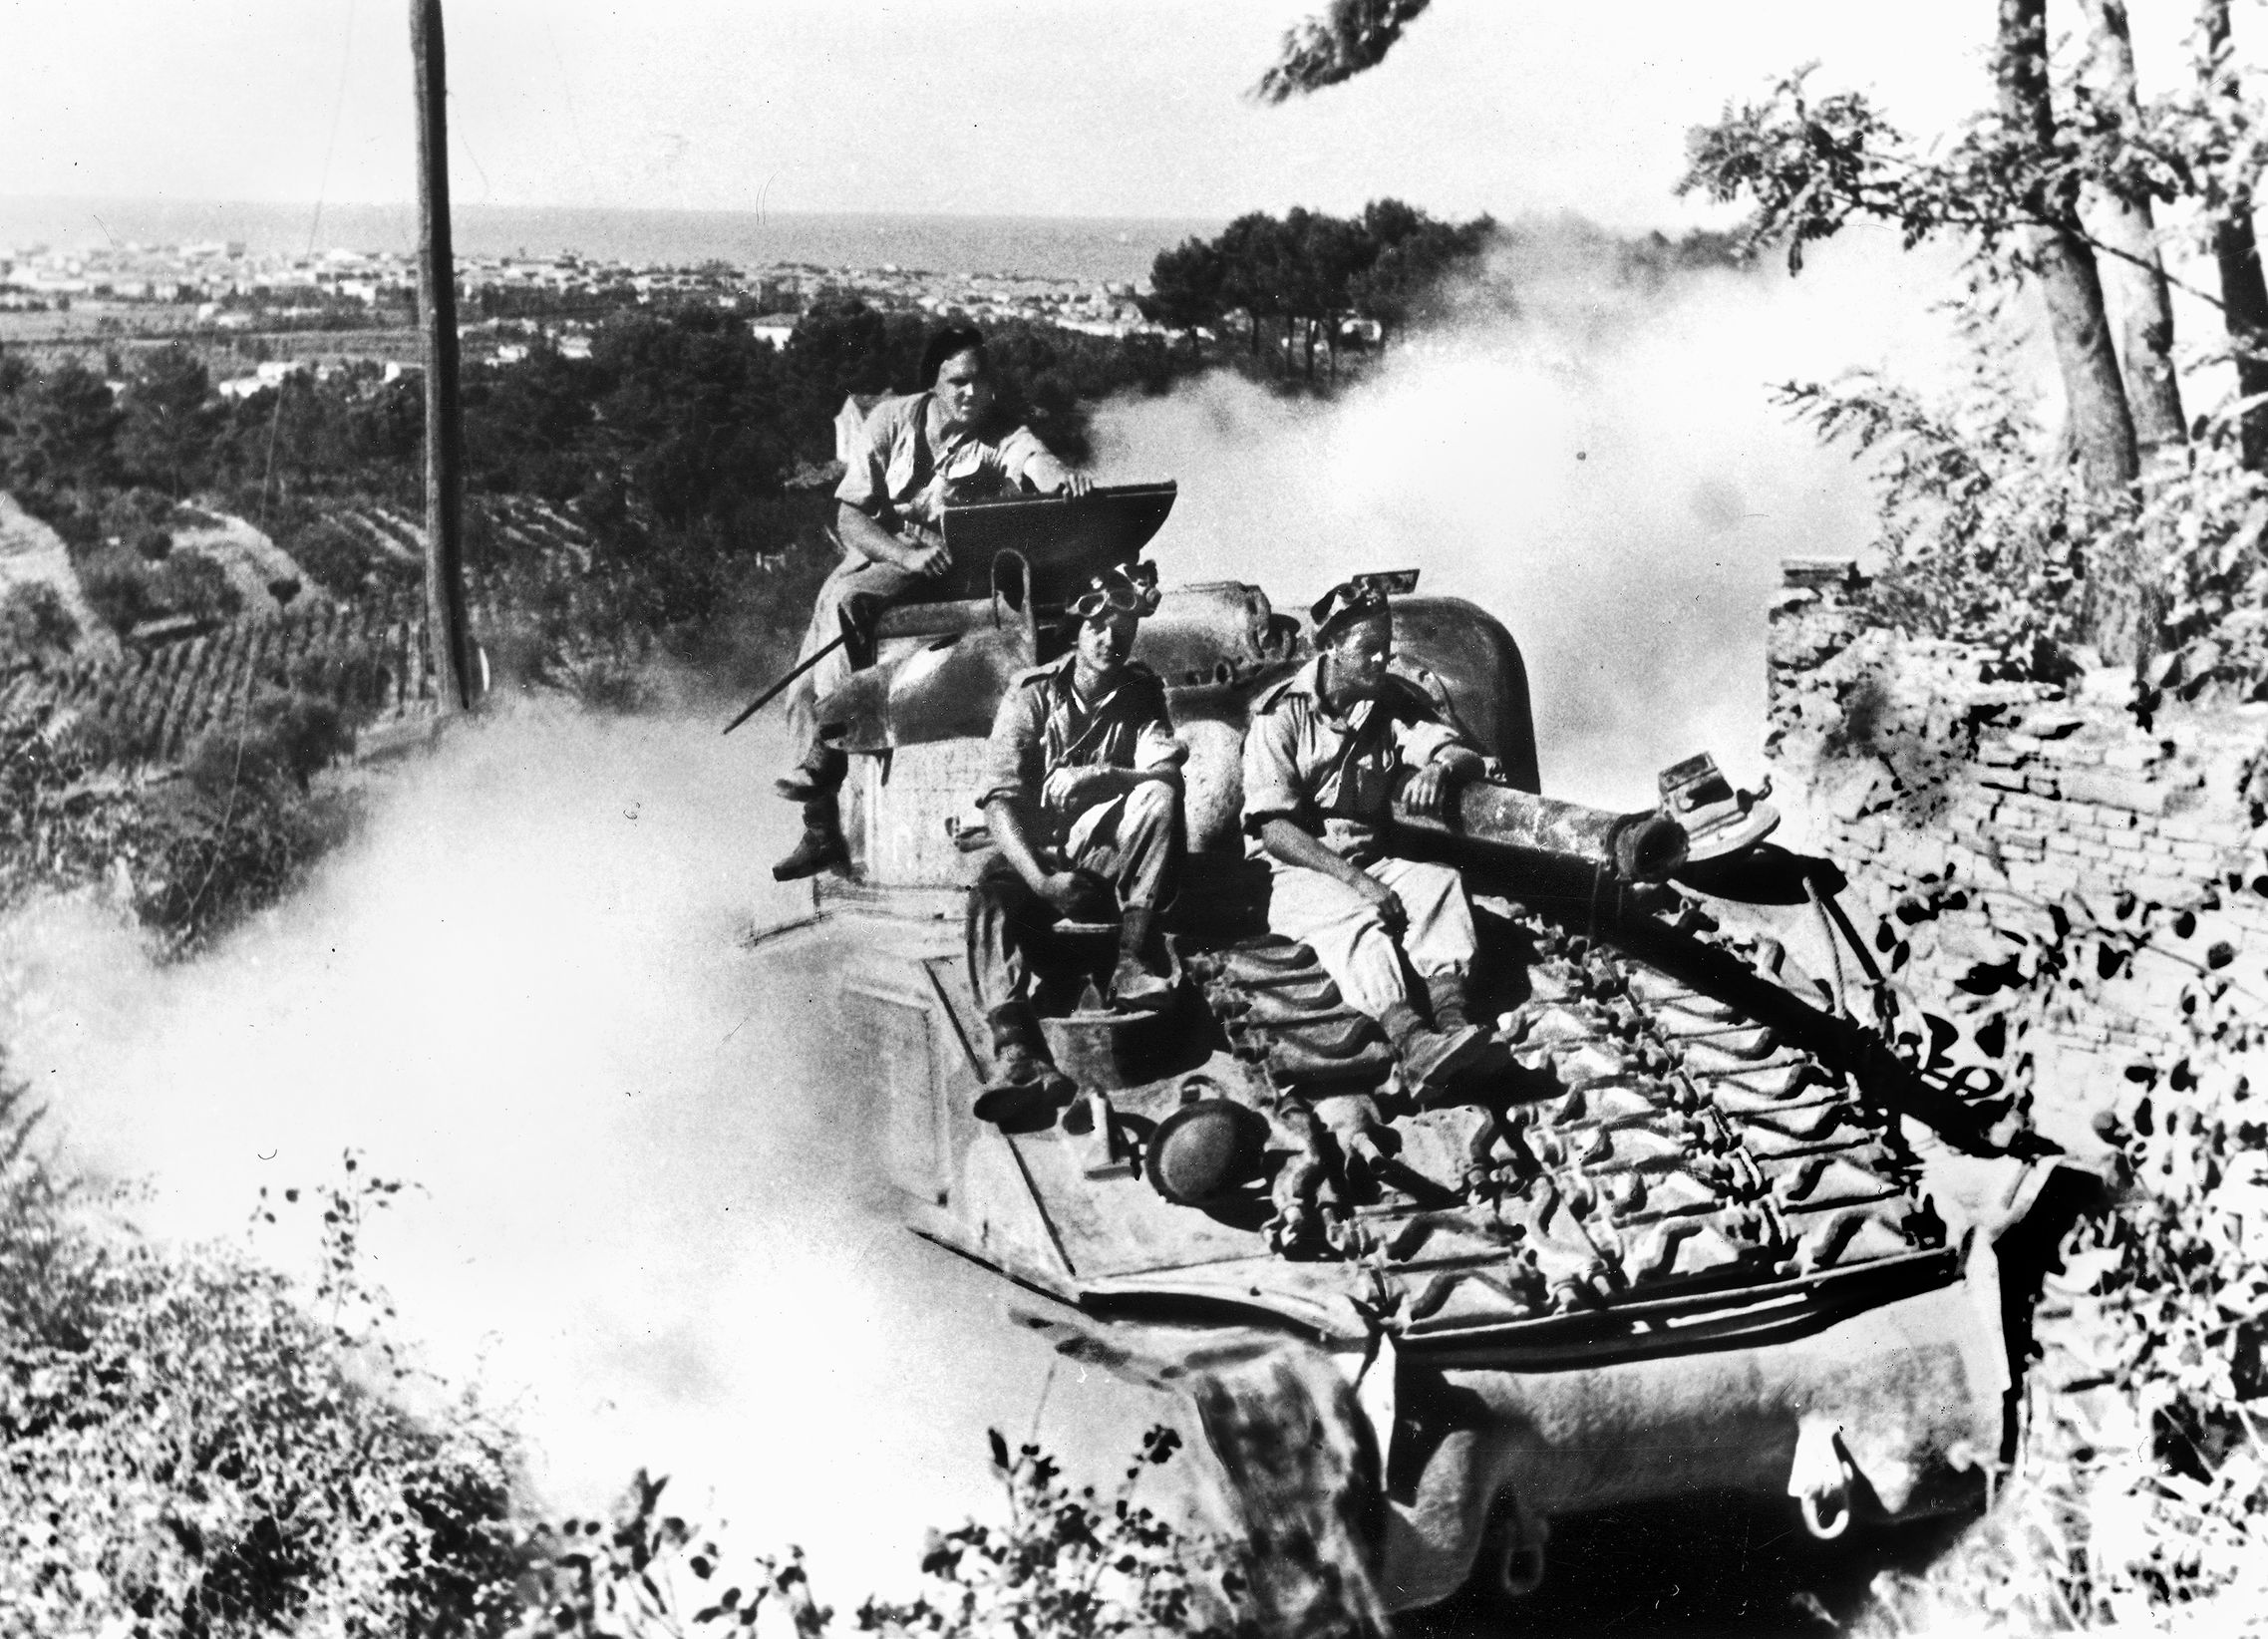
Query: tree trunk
[
  {"x": 2236, "y": 254},
  {"x": 2102, "y": 427},
  {"x": 2136, "y": 281}
]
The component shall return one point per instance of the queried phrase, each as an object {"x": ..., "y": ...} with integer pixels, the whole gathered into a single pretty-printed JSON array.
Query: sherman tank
[{"x": 1707, "y": 1231}]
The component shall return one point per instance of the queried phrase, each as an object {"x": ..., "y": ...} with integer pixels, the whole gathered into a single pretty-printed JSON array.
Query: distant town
[{"x": 339, "y": 304}]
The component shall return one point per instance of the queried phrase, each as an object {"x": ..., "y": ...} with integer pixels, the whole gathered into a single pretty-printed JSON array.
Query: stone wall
[{"x": 2007, "y": 839}]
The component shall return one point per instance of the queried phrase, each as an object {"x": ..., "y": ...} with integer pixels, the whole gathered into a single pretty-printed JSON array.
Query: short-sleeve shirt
[
  {"x": 902, "y": 476},
  {"x": 1335, "y": 777},
  {"x": 1044, "y": 723}
]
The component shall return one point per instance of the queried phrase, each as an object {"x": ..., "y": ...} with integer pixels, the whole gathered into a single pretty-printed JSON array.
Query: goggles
[{"x": 1125, "y": 588}]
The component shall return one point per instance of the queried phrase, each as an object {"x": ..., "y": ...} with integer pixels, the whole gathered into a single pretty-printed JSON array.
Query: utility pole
[{"x": 445, "y": 429}]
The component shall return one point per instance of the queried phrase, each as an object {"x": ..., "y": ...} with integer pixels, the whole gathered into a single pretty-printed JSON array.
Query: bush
[
  {"x": 35, "y": 627},
  {"x": 151, "y": 543},
  {"x": 60, "y": 826},
  {"x": 336, "y": 553},
  {"x": 1067, "y": 1564},
  {"x": 130, "y": 512},
  {"x": 72, "y": 513},
  {"x": 283, "y": 739},
  {"x": 190, "y": 583},
  {"x": 210, "y": 850},
  {"x": 352, "y": 675},
  {"x": 1986, "y": 541},
  {"x": 188, "y": 1451},
  {"x": 118, "y": 588},
  {"x": 197, "y": 853}
]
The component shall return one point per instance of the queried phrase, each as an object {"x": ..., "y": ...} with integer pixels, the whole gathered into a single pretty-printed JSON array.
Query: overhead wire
[
  {"x": 456, "y": 133},
  {"x": 330, "y": 147},
  {"x": 314, "y": 226},
  {"x": 574, "y": 120}
]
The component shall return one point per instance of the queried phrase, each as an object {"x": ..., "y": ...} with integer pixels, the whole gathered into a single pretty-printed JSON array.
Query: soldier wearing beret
[{"x": 1328, "y": 750}]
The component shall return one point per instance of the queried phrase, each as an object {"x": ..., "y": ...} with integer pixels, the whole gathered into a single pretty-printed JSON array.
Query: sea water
[{"x": 1085, "y": 249}]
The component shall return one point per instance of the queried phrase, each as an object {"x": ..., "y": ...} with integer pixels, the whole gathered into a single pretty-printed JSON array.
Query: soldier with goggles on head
[
  {"x": 1327, "y": 752},
  {"x": 1083, "y": 791}
]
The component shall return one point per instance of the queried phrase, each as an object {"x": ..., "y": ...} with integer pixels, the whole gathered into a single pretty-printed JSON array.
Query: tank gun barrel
[{"x": 1488, "y": 821}]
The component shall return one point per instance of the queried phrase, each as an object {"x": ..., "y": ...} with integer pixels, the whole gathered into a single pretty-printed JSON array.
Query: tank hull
[{"x": 1464, "y": 1417}]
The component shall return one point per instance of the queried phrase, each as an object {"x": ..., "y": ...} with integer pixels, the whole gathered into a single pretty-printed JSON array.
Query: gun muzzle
[{"x": 1489, "y": 820}]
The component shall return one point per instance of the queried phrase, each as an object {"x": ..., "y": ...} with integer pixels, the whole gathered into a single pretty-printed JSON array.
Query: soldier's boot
[
  {"x": 1432, "y": 1061},
  {"x": 1024, "y": 1084},
  {"x": 1448, "y": 999},
  {"x": 1444, "y": 997},
  {"x": 1137, "y": 985},
  {"x": 821, "y": 847},
  {"x": 820, "y": 773}
]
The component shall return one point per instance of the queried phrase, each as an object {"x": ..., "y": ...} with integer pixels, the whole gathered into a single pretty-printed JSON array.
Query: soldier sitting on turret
[
  {"x": 1322, "y": 759},
  {"x": 915, "y": 455},
  {"x": 1083, "y": 791}
]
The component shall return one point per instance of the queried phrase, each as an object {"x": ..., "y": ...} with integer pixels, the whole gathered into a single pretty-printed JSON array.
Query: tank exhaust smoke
[{"x": 1595, "y": 462}]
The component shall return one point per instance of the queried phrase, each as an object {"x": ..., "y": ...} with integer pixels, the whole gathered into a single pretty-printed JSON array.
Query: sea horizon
[{"x": 1091, "y": 248}]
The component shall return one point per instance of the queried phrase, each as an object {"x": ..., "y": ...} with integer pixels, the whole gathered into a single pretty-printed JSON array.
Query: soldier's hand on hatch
[
  {"x": 930, "y": 561},
  {"x": 1077, "y": 483},
  {"x": 1388, "y": 906}
]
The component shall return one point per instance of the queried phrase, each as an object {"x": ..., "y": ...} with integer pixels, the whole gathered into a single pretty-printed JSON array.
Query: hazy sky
[{"x": 1045, "y": 106}]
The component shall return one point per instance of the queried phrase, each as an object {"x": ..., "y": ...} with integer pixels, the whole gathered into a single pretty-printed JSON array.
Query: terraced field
[{"x": 365, "y": 647}]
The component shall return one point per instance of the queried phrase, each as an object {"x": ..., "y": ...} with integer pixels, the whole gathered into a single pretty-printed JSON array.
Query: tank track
[
  {"x": 1282, "y": 1013},
  {"x": 1650, "y": 1139}
]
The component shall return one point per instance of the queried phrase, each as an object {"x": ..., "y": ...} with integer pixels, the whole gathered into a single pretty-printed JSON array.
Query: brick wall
[{"x": 1993, "y": 825}]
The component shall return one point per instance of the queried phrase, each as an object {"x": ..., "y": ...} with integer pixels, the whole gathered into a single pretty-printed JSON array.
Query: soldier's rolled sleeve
[
  {"x": 1012, "y": 754},
  {"x": 1271, "y": 772},
  {"x": 1155, "y": 746},
  {"x": 1025, "y": 457},
  {"x": 865, "y": 476},
  {"x": 1421, "y": 743},
  {"x": 1158, "y": 749}
]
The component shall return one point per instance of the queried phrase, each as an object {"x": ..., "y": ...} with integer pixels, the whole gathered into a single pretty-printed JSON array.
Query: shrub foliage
[{"x": 192, "y": 1443}]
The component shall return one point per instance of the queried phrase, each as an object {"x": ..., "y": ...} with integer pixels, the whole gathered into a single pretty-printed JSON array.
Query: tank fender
[{"x": 996, "y": 1202}]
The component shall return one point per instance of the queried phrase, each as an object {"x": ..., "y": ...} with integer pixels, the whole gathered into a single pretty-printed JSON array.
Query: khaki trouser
[
  {"x": 1342, "y": 927},
  {"x": 1134, "y": 843},
  {"x": 853, "y": 596}
]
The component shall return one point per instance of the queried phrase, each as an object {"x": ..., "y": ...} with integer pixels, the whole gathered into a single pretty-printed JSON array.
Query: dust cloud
[
  {"x": 642, "y": 1220},
  {"x": 1600, "y": 468}
]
